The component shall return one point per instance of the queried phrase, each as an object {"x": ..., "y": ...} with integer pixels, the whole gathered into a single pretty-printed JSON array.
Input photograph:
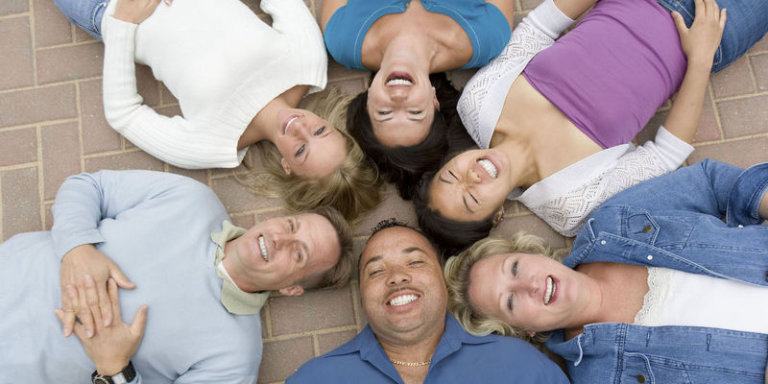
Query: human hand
[
  {"x": 700, "y": 42},
  {"x": 136, "y": 11},
  {"x": 81, "y": 261},
  {"x": 111, "y": 347}
]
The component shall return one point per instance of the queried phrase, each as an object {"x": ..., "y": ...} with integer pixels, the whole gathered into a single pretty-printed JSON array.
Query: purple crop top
[{"x": 614, "y": 70}]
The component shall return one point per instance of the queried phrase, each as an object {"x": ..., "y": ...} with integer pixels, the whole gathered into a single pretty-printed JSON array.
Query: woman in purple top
[{"x": 556, "y": 122}]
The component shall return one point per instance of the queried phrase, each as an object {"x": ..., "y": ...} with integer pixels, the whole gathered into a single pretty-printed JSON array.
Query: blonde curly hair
[
  {"x": 353, "y": 189},
  {"x": 457, "y": 271}
]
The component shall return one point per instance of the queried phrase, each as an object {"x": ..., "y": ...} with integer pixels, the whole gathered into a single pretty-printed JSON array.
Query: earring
[{"x": 531, "y": 334}]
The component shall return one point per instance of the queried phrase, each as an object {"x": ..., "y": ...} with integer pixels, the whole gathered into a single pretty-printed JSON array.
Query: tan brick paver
[{"x": 52, "y": 125}]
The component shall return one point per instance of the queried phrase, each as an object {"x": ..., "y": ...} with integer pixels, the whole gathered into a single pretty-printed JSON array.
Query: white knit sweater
[{"x": 220, "y": 61}]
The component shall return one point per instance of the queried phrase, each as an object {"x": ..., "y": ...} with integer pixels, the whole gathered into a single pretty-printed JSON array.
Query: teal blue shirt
[{"x": 157, "y": 228}]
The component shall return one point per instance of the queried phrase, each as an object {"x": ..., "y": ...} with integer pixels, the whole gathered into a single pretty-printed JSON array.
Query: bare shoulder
[
  {"x": 329, "y": 8},
  {"x": 507, "y": 7}
]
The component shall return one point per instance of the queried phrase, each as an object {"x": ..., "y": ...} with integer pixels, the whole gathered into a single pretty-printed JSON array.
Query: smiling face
[
  {"x": 279, "y": 252},
  {"x": 309, "y": 145},
  {"x": 472, "y": 186},
  {"x": 529, "y": 292},
  {"x": 401, "y": 105},
  {"x": 402, "y": 288}
]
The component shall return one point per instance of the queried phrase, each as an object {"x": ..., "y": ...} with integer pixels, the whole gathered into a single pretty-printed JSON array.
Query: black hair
[
  {"x": 453, "y": 236},
  {"x": 404, "y": 165},
  {"x": 393, "y": 223}
]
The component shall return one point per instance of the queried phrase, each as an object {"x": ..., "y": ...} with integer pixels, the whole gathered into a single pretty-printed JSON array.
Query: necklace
[{"x": 410, "y": 364}]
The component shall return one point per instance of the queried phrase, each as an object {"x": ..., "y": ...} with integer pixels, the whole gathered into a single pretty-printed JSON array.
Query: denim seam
[{"x": 97, "y": 26}]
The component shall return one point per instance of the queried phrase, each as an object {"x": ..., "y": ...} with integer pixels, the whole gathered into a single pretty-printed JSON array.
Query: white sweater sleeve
[
  {"x": 174, "y": 140},
  {"x": 483, "y": 97}
]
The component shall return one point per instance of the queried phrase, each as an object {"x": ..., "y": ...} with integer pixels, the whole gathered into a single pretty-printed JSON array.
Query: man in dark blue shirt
[{"x": 410, "y": 338}]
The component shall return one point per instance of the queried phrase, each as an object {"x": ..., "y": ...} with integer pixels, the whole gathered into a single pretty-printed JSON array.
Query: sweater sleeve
[
  {"x": 483, "y": 97},
  {"x": 84, "y": 200},
  {"x": 174, "y": 140}
]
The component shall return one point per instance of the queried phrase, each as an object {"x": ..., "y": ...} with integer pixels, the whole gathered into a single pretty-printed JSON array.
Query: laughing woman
[
  {"x": 238, "y": 82},
  {"x": 657, "y": 288},
  {"x": 402, "y": 121},
  {"x": 554, "y": 123}
]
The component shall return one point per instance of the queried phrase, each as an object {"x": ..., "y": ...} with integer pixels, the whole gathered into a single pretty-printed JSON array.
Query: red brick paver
[{"x": 52, "y": 125}]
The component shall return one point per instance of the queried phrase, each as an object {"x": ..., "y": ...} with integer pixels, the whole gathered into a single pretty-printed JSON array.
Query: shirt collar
[{"x": 234, "y": 299}]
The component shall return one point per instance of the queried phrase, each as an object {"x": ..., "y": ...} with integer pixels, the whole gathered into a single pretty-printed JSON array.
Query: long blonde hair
[
  {"x": 457, "y": 272},
  {"x": 352, "y": 189}
]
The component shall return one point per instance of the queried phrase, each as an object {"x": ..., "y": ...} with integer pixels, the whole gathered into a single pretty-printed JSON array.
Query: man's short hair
[
  {"x": 393, "y": 223},
  {"x": 340, "y": 274}
]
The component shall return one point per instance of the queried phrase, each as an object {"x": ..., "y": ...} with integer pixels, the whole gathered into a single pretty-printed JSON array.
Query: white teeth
[
  {"x": 289, "y": 124},
  {"x": 263, "y": 247},
  {"x": 551, "y": 289},
  {"x": 402, "y": 300},
  {"x": 399, "y": 82},
  {"x": 489, "y": 167}
]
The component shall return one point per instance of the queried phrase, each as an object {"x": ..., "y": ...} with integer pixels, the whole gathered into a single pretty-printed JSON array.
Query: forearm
[{"x": 683, "y": 118}]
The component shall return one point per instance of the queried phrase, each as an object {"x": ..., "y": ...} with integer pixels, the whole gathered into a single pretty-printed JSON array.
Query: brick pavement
[{"x": 52, "y": 125}]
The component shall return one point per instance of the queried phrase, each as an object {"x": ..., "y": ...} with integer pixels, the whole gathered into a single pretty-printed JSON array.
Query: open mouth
[
  {"x": 288, "y": 121},
  {"x": 399, "y": 79},
  {"x": 402, "y": 300},
  {"x": 489, "y": 167},
  {"x": 263, "y": 248},
  {"x": 551, "y": 290}
]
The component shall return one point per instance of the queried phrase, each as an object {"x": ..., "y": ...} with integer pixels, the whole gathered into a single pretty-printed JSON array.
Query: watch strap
[{"x": 125, "y": 376}]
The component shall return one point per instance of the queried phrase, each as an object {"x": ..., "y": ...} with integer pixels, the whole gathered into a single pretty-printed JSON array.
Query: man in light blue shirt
[
  {"x": 197, "y": 281},
  {"x": 409, "y": 337}
]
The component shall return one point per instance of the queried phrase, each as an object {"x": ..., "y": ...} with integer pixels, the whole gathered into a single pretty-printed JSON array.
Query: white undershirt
[{"x": 688, "y": 299}]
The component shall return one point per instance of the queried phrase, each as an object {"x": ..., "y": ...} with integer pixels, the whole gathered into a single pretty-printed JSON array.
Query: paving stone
[
  {"x": 69, "y": 62},
  {"x": 82, "y": 36},
  {"x": 744, "y": 116},
  {"x": 530, "y": 4},
  {"x": 312, "y": 311},
  {"x": 530, "y": 224},
  {"x": 236, "y": 198},
  {"x": 282, "y": 358},
  {"x": 351, "y": 86},
  {"x": 128, "y": 160},
  {"x": 16, "y": 47},
  {"x": 51, "y": 26},
  {"x": 734, "y": 80},
  {"x": 166, "y": 96},
  {"x": 48, "y": 216},
  {"x": 331, "y": 341},
  {"x": 9, "y": 7},
  {"x": 761, "y": 46},
  {"x": 246, "y": 221},
  {"x": 200, "y": 175},
  {"x": 147, "y": 86},
  {"x": 21, "y": 201},
  {"x": 98, "y": 136},
  {"x": 37, "y": 105},
  {"x": 743, "y": 153},
  {"x": 61, "y": 156},
  {"x": 391, "y": 206},
  {"x": 760, "y": 69},
  {"x": 18, "y": 146}
]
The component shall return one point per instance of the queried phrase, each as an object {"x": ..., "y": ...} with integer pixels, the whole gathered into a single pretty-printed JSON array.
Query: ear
[
  {"x": 434, "y": 99},
  {"x": 498, "y": 217},
  {"x": 293, "y": 290},
  {"x": 286, "y": 167}
]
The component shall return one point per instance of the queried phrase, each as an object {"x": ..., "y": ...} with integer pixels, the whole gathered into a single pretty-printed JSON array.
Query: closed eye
[
  {"x": 474, "y": 199},
  {"x": 320, "y": 131},
  {"x": 300, "y": 151},
  {"x": 514, "y": 269},
  {"x": 509, "y": 303}
]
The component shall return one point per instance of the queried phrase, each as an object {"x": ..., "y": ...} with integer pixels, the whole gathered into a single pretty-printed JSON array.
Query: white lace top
[
  {"x": 688, "y": 299},
  {"x": 565, "y": 199}
]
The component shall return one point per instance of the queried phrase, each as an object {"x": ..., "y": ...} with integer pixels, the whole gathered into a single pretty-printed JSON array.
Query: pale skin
[
  {"x": 416, "y": 42},
  {"x": 529, "y": 123},
  {"x": 323, "y": 152}
]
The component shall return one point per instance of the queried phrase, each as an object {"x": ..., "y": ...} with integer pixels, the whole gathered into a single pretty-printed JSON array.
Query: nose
[
  {"x": 527, "y": 285},
  {"x": 282, "y": 239},
  {"x": 398, "y": 95},
  {"x": 398, "y": 276},
  {"x": 473, "y": 176}
]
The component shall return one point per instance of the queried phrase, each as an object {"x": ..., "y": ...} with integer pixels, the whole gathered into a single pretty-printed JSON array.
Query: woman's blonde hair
[
  {"x": 352, "y": 189},
  {"x": 457, "y": 272}
]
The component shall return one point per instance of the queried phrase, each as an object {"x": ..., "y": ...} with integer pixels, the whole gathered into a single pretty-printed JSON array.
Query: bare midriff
[{"x": 554, "y": 140}]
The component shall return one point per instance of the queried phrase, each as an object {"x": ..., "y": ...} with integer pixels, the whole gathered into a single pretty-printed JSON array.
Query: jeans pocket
[{"x": 641, "y": 368}]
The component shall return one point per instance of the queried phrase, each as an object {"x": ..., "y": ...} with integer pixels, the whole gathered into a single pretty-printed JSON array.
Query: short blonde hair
[
  {"x": 352, "y": 189},
  {"x": 457, "y": 272}
]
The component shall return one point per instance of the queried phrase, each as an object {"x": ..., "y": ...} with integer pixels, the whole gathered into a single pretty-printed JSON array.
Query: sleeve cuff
[
  {"x": 672, "y": 150},
  {"x": 91, "y": 237},
  {"x": 550, "y": 19}
]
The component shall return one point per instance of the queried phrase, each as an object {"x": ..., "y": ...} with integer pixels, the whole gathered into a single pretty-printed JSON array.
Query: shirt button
[
  {"x": 602, "y": 242},
  {"x": 650, "y": 257},
  {"x": 741, "y": 226},
  {"x": 647, "y": 229},
  {"x": 641, "y": 378}
]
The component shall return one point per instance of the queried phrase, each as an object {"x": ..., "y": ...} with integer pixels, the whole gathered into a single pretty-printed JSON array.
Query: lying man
[
  {"x": 203, "y": 280},
  {"x": 409, "y": 337}
]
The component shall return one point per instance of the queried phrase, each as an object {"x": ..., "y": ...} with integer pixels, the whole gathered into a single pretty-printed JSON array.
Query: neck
[
  {"x": 594, "y": 308},
  {"x": 523, "y": 169},
  {"x": 413, "y": 350},
  {"x": 412, "y": 48},
  {"x": 235, "y": 271}
]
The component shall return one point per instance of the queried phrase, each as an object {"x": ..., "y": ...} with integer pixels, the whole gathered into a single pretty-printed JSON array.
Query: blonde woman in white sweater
[{"x": 238, "y": 82}]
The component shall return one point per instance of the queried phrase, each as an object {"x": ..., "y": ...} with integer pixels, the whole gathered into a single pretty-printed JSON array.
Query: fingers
[
  {"x": 77, "y": 296},
  {"x": 139, "y": 321},
  {"x": 723, "y": 16},
  {"x": 679, "y": 23},
  {"x": 89, "y": 305},
  {"x": 114, "y": 299},
  {"x": 120, "y": 278},
  {"x": 105, "y": 306},
  {"x": 69, "y": 309}
]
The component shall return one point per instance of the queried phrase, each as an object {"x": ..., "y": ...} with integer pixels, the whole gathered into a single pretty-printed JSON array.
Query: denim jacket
[{"x": 674, "y": 221}]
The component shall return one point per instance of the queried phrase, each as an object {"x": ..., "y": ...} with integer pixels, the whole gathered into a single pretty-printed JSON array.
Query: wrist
[
  {"x": 111, "y": 368},
  {"x": 700, "y": 64}
]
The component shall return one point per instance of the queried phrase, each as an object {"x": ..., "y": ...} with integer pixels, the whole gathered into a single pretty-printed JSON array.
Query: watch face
[{"x": 101, "y": 380}]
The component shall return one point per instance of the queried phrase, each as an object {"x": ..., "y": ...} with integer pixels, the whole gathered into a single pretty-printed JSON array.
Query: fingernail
[
  {"x": 88, "y": 334},
  {"x": 70, "y": 289},
  {"x": 106, "y": 322}
]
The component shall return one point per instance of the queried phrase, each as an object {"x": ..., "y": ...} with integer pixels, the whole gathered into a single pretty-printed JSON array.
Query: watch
[{"x": 124, "y": 376}]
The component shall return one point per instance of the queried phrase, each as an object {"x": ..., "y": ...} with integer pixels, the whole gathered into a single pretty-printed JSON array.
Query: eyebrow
[
  {"x": 371, "y": 260},
  {"x": 302, "y": 244}
]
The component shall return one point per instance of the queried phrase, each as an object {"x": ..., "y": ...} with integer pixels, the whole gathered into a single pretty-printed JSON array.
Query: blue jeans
[
  {"x": 747, "y": 23},
  {"x": 86, "y": 14}
]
